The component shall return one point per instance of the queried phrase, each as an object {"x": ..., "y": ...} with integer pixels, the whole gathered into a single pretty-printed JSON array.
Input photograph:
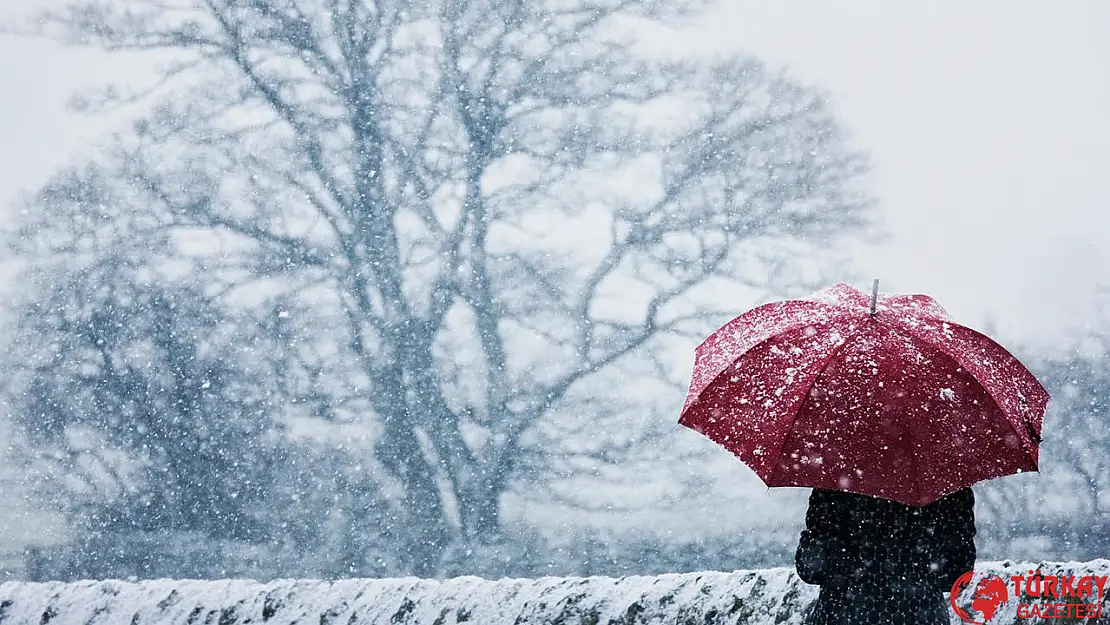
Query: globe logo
[{"x": 989, "y": 595}]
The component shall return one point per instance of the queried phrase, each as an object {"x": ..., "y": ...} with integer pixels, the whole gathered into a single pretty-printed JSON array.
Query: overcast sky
[
  {"x": 989, "y": 126},
  {"x": 986, "y": 121}
]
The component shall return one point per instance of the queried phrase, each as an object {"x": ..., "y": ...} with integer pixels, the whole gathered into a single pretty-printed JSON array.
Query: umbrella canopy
[{"x": 882, "y": 396}]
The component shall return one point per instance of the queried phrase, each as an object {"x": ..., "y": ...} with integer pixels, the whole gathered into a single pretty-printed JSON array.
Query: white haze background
[{"x": 986, "y": 124}]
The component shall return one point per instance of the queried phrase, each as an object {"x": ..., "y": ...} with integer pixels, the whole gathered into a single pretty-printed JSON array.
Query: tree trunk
[
  {"x": 480, "y": 511},
  {"x": 423, "y": 523}
]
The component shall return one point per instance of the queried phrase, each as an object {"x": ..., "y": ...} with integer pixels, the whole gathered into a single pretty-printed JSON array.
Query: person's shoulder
[
  {"x": 964, "y": 495},
  {"x": 826, "y": 494},
  {"x": 958, "y": 499},
  {"x": 822, "y": 498},
  {"x": 828, "y": 498}
]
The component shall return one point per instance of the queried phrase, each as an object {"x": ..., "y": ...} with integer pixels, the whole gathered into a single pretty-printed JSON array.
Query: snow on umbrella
[{"x": 882, "y": 396}]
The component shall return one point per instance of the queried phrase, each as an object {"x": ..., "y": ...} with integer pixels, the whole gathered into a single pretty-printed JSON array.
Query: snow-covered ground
[{"x": 765, "y": 597}]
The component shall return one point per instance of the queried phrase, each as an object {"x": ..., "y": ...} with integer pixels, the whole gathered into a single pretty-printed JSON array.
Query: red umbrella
[{"x": 881, "y": 396}]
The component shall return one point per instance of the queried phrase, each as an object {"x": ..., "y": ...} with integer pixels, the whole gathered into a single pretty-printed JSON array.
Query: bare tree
[
  {"x": 1065, "y": 503},
  {"x": 1077, "y": 424},
  {"x": 457, "y": 213},
  {"x": 143, "y": 409}
]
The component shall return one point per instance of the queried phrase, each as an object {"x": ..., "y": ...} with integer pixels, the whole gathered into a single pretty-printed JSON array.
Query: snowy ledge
[{"x": 763, "y": 597}]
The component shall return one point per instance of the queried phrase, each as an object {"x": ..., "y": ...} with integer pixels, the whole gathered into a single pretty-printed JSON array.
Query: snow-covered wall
[{"x": 764, "y": 597}]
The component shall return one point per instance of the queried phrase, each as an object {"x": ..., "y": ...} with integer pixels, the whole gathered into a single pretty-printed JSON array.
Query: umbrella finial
[{"x": 874, "y": 295}]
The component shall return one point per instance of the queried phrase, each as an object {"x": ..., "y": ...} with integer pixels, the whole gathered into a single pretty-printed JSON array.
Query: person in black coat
[{"x": 882, "y": 562}]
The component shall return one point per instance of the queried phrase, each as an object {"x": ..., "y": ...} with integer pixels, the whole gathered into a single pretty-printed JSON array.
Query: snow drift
[{"x": 764, "y": 597}]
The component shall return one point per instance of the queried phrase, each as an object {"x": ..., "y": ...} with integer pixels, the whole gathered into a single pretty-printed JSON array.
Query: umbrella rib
[
  {"x": 913, "y": 470},
  {"x": 805, "y": 395},
  {"x": 915, "y": 487},
  {"x": 914, "y": 336},
  {"x": 755, "y": 346}
]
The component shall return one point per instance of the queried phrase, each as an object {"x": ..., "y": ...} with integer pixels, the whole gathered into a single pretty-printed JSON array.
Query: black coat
[{"x": 882, "y": 562}]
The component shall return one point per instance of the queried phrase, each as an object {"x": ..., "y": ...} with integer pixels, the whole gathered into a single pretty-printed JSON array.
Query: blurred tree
[
  {"x": 1078, "y": 427},
  {"x": 143, "y": 411},
  {"x": 1063, "y": 511},
  {"x": 454, "y": 215}
]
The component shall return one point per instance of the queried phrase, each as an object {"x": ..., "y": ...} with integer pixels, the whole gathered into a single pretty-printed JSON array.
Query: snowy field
[{"x": 771, "y": 596}]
